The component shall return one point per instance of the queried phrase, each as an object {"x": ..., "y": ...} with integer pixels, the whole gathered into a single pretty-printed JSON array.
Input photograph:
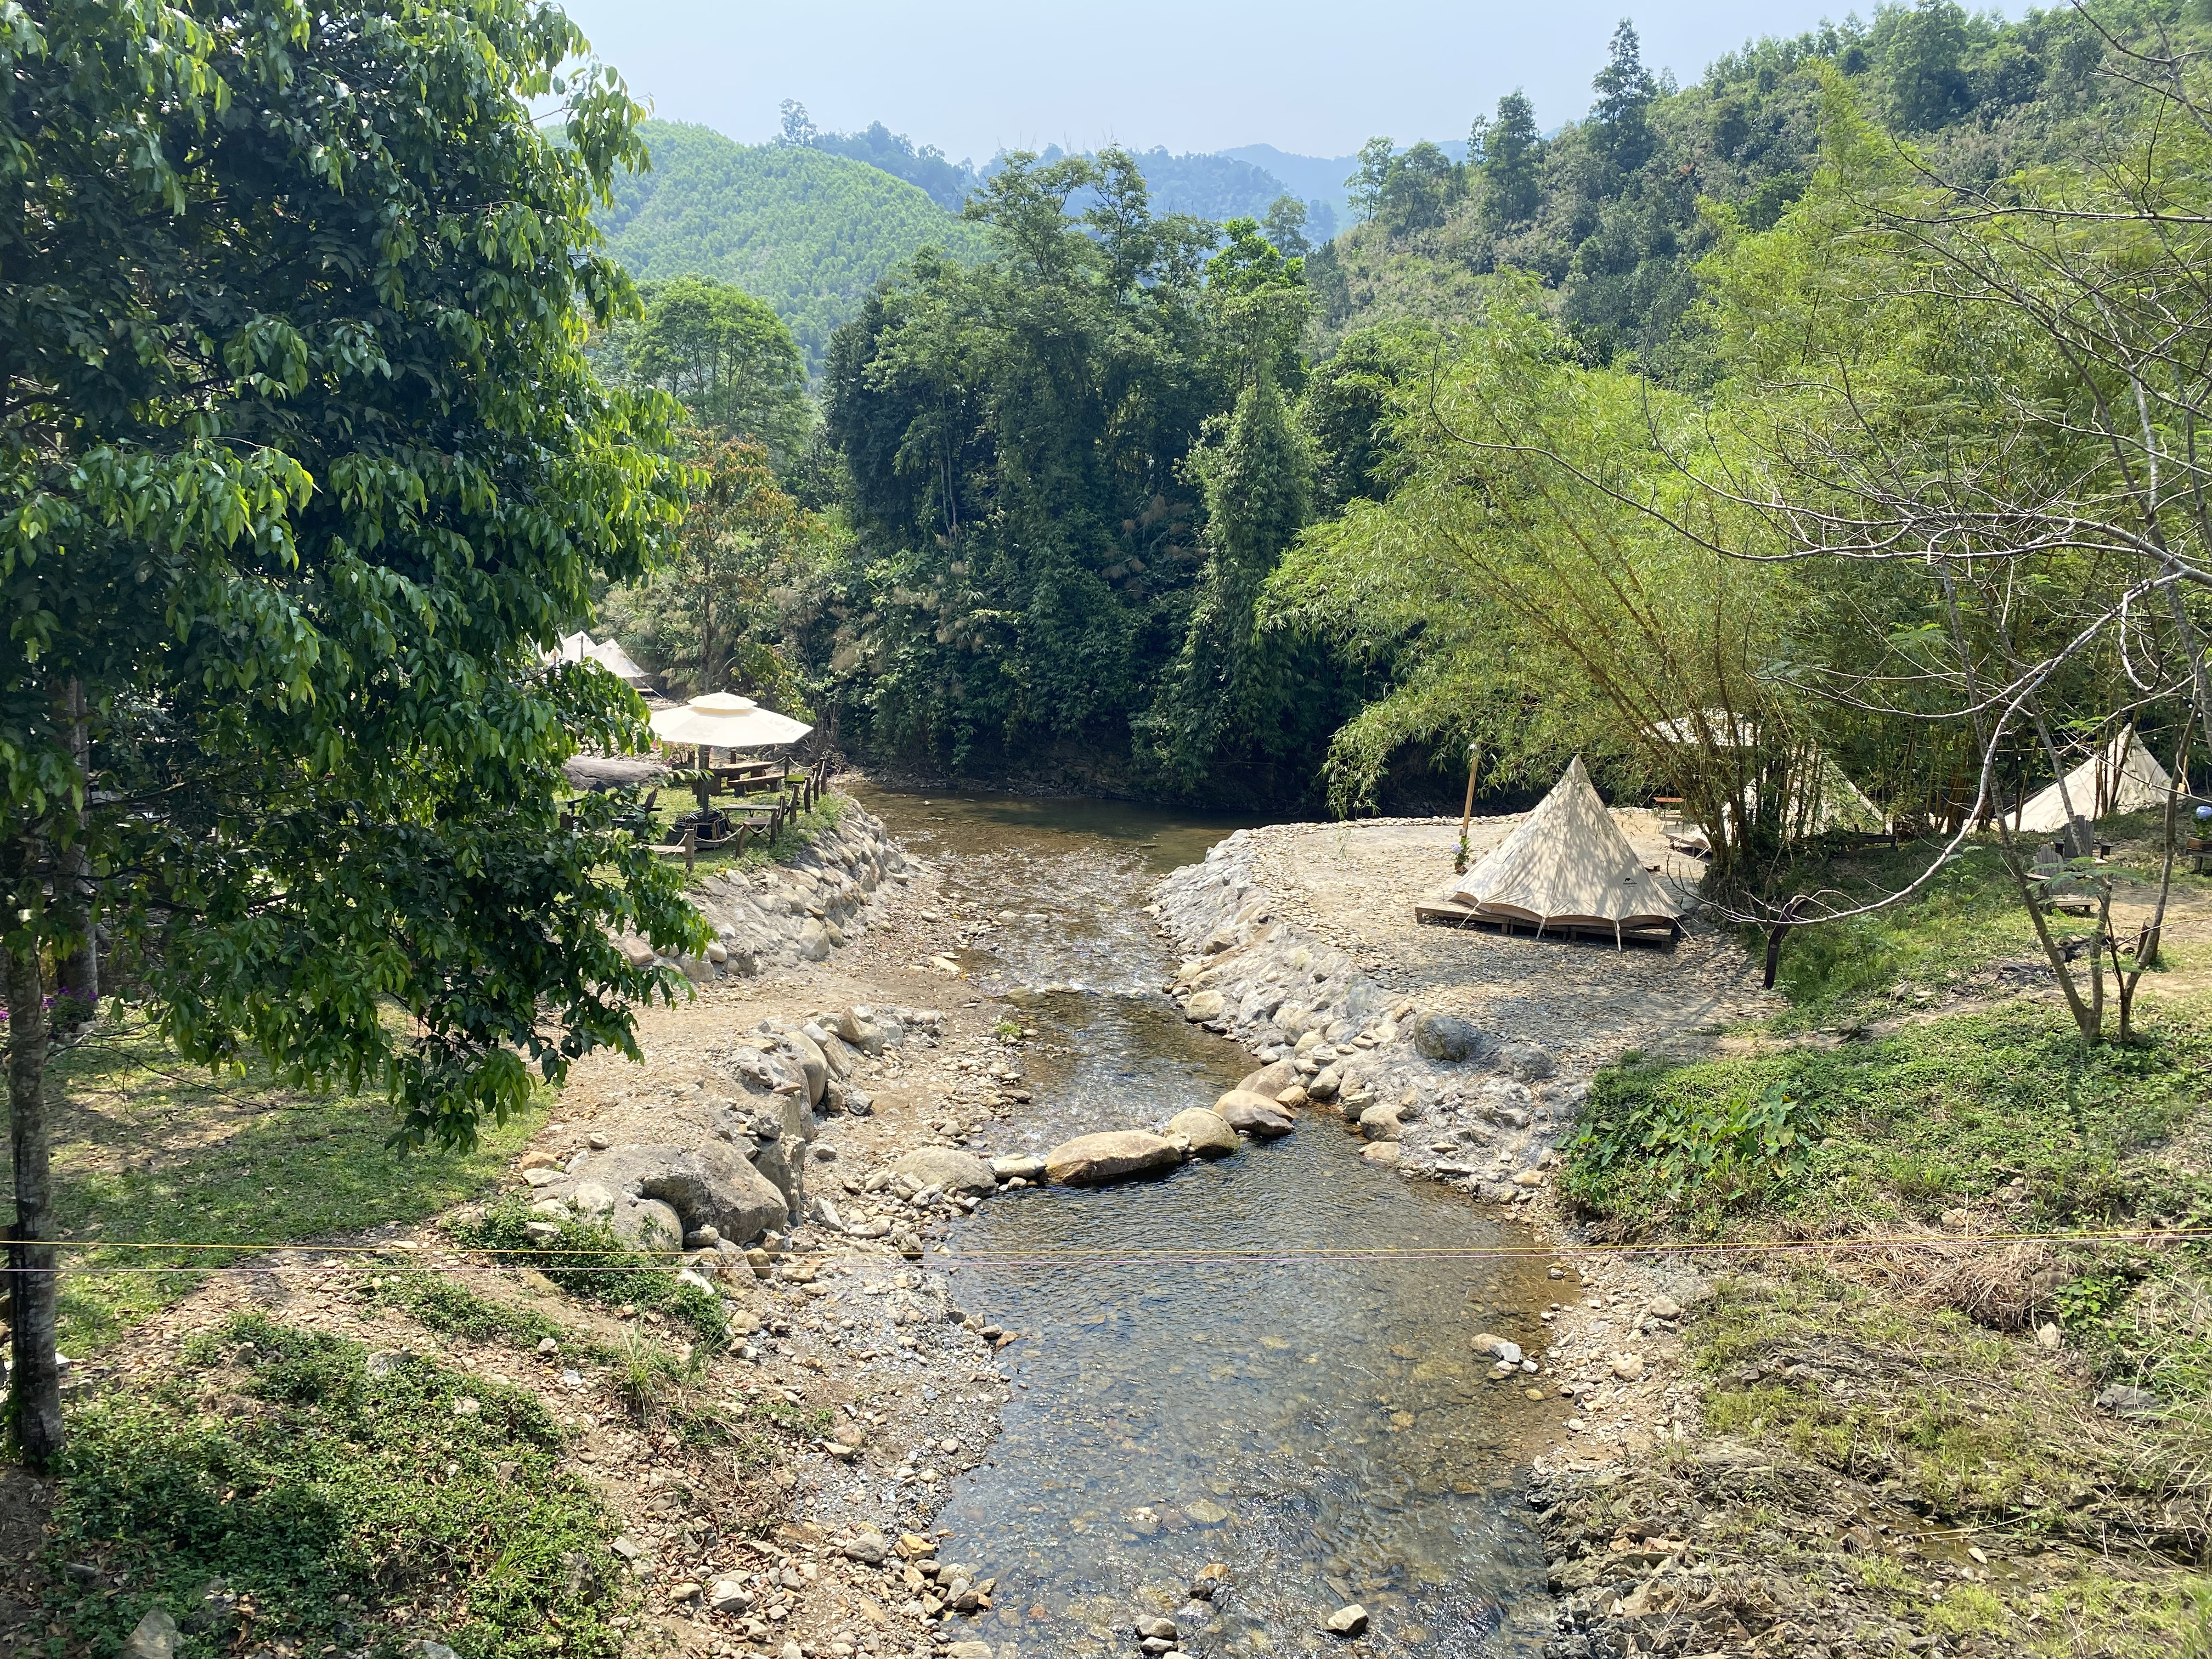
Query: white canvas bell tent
[
  {"x": 1823, "y": 797},
  {"x": 2123, "y": 776},
  {"x": 1567, "y": 868},
  {"x": 607, "y": 654}
]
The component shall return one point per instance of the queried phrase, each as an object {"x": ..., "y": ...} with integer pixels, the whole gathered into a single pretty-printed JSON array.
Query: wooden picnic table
[{"x": 747, "y": 777}]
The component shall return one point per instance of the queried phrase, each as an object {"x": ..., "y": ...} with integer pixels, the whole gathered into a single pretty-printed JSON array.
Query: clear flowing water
[{"x": 1262, "y": 1363}]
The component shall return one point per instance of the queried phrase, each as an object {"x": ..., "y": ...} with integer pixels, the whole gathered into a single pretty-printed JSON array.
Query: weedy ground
[
  {"x": 1917, "y": 1441},
  {"x": 345, "y": 1449},
  {"x": 155, "y": 1158}
]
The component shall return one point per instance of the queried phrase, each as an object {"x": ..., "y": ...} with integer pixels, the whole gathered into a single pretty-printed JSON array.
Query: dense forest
[
  {"x": 809, "y": 232},
  {"x": 1553, "y": 451},
  {"x": 1613, "y": 213}
]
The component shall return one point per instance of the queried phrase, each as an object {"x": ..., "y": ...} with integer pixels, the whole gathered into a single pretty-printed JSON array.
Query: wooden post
[
  {"x": 691, "y": 846},
  {"x": 1467, "y": 813}
]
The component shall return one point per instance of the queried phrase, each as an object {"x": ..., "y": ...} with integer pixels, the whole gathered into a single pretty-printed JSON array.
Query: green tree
[
  {"x": 1921, "y": 60},
  {"x": 1223, "y": 698},
  {"x": 1622, "y": 114},
  {"x": 1365, "y": 186},
  {"x": 709, "y": 617},
  {"x": 1351, "y": 408},
  {"x": 1512, "y": 153},
  {"x": 1285, "y": 226},
  {"x": 725, "y": 356},
  {"x": 1417, "y": 191},
  {"x": 304, "y": 467},
  {"x": 1214, "y": 698}
]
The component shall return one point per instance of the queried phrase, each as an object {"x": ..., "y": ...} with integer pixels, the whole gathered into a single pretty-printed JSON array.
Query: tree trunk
[
  {"x": 2091, "y": 1026},
  {"x": 76, "y": 988},
  {"x": 34, "y": 1382}
]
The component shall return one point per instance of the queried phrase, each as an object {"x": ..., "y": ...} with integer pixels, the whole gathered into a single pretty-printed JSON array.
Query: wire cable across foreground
[{"x": 521, "y": 1258}]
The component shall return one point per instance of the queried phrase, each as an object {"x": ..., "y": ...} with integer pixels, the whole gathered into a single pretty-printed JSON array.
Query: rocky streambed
[{"x": 1087, "y": 1226}]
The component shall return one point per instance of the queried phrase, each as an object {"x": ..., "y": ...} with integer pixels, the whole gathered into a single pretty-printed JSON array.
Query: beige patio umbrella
[{"x": 721, "y": 719}]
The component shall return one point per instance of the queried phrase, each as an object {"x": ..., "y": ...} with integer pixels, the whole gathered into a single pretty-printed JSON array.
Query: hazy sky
[{"x": 974, "y": 75}]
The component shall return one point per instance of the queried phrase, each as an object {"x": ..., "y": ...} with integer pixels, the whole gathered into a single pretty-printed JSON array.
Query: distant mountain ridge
[{"x": 812, "y": 227}]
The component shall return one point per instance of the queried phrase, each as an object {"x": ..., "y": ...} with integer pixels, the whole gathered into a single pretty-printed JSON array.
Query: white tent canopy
[
  {"x": 721, "y": 719},
  {"x": 1567, "y": 866},
  {"x": 2123, "y": 776},
  {"x": 607, "y": 654}
]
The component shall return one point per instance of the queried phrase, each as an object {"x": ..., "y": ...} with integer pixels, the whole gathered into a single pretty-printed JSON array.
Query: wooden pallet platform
[{"x": 1449, "y": 913}]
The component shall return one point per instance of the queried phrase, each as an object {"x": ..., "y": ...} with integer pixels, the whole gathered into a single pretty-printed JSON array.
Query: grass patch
[
  {"x": 590, "y": 1259},
  {"x": 1968, "y": 1424},
  {"x": 151, "y": 1150},
  {"x": 442, "y": 1305},
  {"x": 340, "y": 1502},
  {"x": 1946, "y": 937},
  {"x": 797, "y": 833},
  {"x": 1899, "y": 1128}
]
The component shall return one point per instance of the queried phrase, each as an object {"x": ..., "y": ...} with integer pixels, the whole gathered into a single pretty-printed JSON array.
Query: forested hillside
[
  {"x": 1613, "y": 213},
  {"x": 808, "y": 231},
  {"x": 1625, "y": 442}
]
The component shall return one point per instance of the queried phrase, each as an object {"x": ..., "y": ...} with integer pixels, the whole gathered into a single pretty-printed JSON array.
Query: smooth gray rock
[
  {"x": 813, "y": 940},
  {"x": 868, "y": 1548},
  {"x": 1116, "y": 1155},
  {"x": 1347, "y": 1621},
  {"x": 1209, "y": 1133},
  {"x": 1204, "y": 1006},
  {"x": 711, "y": 1185},
  {"x": 2123, "y": 1401},
  {"x": 947, "y": 1168},
  {"x": 1253, "y": 1114},
  {"x": 1380, "y": 1123},
  {"x": 807, "y": 1055},
  {"x": 1450, "y": 1038},
  {"x": 1524, "y": 1062},
  {"x": 1018, "y": 1169},
  {"x": 155, "y": 1638}
]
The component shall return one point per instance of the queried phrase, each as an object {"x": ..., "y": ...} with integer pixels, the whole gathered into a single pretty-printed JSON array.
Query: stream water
[{"x": 1252, "y": 1363}]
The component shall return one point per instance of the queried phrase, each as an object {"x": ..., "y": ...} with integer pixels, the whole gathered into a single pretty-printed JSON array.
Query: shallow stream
[{"x": 1260, "y": 1363}]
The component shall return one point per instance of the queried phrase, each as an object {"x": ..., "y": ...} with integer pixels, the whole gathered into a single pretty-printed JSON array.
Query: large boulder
[
  {"x": 1448, "y": 1037},
  {"x": 779, "y": 1163},
  {"x": 1204, "y": 1006},
  {"x": 647, "y": 1223},
  {"x": 1116, "y": 1155},
  {"x": 1242, "y": 1096},
  {"x": 1524, "y": 1061},
  {"x": 949, "y": 1168},
  {"x": 1380, "y": 1123},
  {"x": 1208, "y": 1133},
  {"x": 1253, "y": 1114},
  {"x": 1270, "y": 1080},
  {"x": 659, "y": 1188},
  {"x": 812, "y": 1066}
]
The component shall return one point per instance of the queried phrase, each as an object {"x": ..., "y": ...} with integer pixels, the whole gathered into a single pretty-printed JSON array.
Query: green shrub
[
  {"x": 1904, "y": 1127},
  {"x": 1670, "y": 1136},
  {"x": 341, "y": 1501},
  {"x": 590, "y": 1259}
]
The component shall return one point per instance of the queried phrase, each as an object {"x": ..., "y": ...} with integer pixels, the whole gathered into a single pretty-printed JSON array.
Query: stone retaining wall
[{"x": 815, "y": 902}]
